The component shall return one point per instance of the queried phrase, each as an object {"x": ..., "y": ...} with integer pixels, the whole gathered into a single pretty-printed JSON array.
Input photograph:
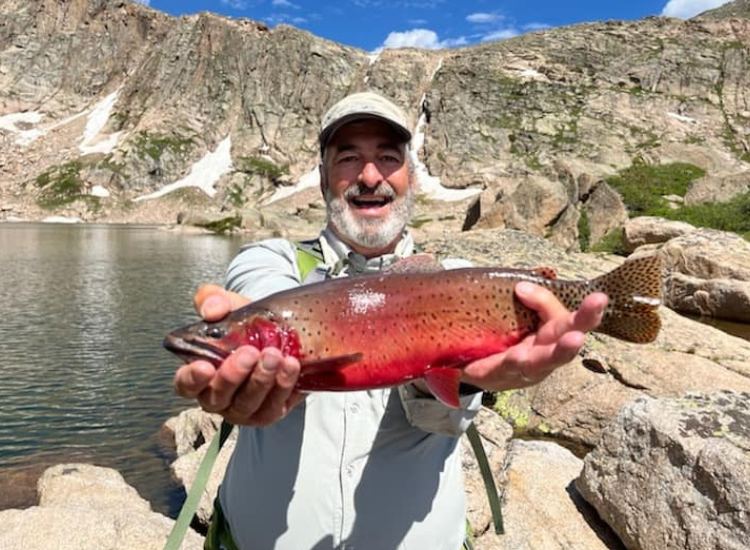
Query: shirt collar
[{"x": 336, "y": 251}]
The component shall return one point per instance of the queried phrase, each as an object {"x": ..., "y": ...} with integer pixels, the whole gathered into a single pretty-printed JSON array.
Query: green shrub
[
  {"x": 60, "y": 184},
  {"x": 224, "y": 225},
  {"x": 733, "y": 215},
  {"x": 261, "y": 167},
  {"x": 611, "y": 243},
  {"x": 153, "y": 145},
  {"x": 584, "y": 231},
  {"x": 643, "y": 185}
]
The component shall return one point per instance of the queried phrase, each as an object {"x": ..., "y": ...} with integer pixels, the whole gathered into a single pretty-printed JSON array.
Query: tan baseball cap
[{"x": 360, "y": 106}]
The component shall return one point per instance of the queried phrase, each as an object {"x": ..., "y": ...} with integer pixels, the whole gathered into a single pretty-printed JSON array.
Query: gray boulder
[
  {"x": 605, "y": 211},
  {"x": 85, "y": 507},
  {"x": 541, "y": 507},
  {"x": 652, "y": 230},
  {"x": 675, "y": 473},
  {"x": 718, "y": 188},
  {"x": 708, "y": 273},
  {"x": 193, "y": 431}
]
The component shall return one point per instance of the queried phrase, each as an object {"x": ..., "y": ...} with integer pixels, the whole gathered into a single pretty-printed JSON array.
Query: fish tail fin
[{"x": 634, "y": 290}]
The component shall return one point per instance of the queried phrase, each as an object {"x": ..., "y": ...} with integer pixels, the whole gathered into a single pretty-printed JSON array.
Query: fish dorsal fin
[
  {"x": 317, "y": 366},
  {"x": 418, "y": 263},
  {"x": 545, "y": 272},
  {"x": 443, "y": 383}
]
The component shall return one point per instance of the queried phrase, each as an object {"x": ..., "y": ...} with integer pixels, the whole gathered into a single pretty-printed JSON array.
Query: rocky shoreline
[{"x": 665, "y": 429}]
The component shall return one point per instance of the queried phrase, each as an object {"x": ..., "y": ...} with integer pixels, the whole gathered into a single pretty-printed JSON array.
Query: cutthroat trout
[{"x": 415, "y": 320}]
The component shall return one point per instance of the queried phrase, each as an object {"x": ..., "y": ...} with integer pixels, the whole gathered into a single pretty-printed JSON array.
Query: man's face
[{"x": 367, "y": 186}]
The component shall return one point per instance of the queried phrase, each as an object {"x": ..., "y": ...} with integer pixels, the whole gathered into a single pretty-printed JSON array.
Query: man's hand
[
  {"x": 559, "y": 339},
  {"x": 251, "y": 387}
]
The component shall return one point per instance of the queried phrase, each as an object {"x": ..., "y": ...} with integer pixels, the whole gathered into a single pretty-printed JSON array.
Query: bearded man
[{"x": 366, "y": 470}]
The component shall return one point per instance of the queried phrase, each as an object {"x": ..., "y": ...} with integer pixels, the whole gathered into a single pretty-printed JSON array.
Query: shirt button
[
  {"x": 354, "y": 407},
  {"x": 350, "y": 470}
]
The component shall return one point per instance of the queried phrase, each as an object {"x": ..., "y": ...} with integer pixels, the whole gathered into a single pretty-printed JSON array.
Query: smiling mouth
[{"x": 370, "y": 201}]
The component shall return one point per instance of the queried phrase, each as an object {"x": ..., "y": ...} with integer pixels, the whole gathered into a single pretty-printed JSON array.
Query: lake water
[{"x": 84, "y": 376}]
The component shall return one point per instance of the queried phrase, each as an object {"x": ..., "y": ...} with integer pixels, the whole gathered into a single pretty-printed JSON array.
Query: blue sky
[{"x": 374, "y": 24}]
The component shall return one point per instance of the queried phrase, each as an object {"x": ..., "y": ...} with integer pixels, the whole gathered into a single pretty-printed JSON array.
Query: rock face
[
  {"x": 650, "y": 230},
  {"x": 708, "y": 273},
  {"x": 542, "y": 509},
  {"x": 193, "y": 431},
  {"x": 118, "y": 97},
  {"x": 84, "y": 507},
  {"x": 718, "y": 189},
  {"x": 675, "y": 474}
]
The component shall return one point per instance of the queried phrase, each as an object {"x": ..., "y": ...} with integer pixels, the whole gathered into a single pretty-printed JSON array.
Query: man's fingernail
[
  {"x": 245, "y": 360},
  {"x": 205, "y": 307},
  {"x": 524, "y": 288},
  {"x": 269, "y": 364}
]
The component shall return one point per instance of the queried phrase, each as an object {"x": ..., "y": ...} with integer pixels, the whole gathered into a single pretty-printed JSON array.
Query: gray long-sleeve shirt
[{"x": 367, "y": 470}]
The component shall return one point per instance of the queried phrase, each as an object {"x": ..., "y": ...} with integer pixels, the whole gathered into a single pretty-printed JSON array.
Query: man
[{"x": 370, "y": 470}]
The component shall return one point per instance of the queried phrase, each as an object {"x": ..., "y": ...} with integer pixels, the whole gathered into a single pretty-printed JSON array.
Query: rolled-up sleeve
[{"x": 263, "y": 268}]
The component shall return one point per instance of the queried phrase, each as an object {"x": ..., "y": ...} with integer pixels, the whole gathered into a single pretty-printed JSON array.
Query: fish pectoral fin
[
  {"x": 329, "y": 364},
  {"x": 443, "y": 382}
]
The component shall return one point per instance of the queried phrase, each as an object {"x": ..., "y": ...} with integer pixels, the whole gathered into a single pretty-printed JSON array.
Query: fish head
[{"x": 208, "y": 341}]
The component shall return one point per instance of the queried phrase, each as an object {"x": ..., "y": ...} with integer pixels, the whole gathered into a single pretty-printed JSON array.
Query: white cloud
[
  {"x": 279, "y": 18},
  {"x": 284, "y": 4},
  {"x": 483, "y": 18},
  {"x": 685, "y": 9},
  {"x": 420, "y": 38},
  {"x": 235, "y": 4},
  {"x": 500, "y": 34},
  {"x": 535, "y": 26}
]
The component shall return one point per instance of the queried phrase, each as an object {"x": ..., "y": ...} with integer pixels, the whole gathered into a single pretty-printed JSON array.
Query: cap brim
[{"x": 326, "y": 135}]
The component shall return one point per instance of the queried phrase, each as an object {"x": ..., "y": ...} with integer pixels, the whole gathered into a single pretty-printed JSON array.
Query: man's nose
[{"x": 370, "y": 175}]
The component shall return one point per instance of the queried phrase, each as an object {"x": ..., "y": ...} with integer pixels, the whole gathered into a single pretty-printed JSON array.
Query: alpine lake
[{"x": 85, "y": 377}]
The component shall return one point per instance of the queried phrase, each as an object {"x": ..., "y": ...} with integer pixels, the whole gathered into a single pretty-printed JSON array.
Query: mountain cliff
[{"x": 105, "y": 104}]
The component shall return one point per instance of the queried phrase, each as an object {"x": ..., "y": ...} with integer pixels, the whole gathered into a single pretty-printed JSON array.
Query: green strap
[
  {"x": 309, "y": 255},
  {"x": 180, "y": 527},
  {"x": 489, "y": 481}
]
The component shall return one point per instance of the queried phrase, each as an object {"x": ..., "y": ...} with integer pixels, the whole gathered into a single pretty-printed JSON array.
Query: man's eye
[{"x": 215, "y": 332}]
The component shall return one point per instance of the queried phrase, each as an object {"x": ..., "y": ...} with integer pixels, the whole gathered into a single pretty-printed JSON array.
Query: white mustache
[{"x": 382, "y": 190}]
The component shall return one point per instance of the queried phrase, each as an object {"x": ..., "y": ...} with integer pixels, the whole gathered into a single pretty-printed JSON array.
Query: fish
[{"x": 415, "y": 320}]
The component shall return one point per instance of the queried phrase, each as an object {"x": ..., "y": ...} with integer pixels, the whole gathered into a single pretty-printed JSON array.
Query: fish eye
[{"x": 215, "y": 332}]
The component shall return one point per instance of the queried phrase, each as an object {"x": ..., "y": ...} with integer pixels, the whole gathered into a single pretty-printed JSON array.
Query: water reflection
[
  {"x": 741, "y": 330},
  {"x": 85, "y": 378}
]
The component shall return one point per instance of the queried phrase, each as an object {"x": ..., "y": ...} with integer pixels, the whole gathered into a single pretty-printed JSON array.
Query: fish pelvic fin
[
  {"x": 443, "y": 382},
  {"x": 635, "y": 291}
]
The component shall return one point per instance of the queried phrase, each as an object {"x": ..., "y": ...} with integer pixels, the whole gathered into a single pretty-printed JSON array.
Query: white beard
[{"x": 370, "y": 232}]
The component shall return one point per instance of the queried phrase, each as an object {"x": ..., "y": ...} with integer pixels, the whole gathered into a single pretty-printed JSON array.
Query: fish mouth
[{"x": 192, "y": 350}]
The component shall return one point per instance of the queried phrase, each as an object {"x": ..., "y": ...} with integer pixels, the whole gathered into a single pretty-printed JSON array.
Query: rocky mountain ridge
[{"x": 103, "y": 104}]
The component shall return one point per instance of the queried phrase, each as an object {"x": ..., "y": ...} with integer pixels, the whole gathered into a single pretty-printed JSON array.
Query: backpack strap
[
  {"x": 309, "y": 255},
  {"x": 489, "y": 481},
  {"x": 180, "y": 527}
]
